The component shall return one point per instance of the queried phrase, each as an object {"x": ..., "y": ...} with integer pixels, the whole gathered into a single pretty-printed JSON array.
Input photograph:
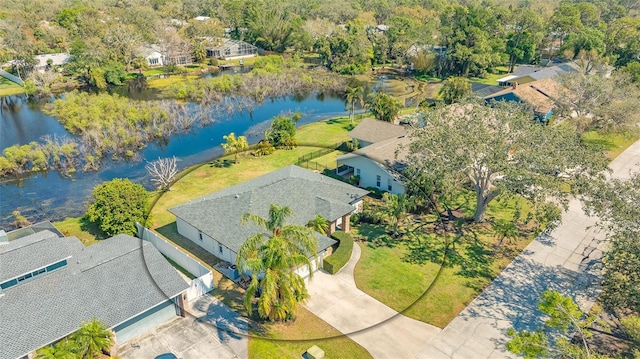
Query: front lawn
[
  {"x": 613, "y": 143},
  {"x": 408, "y": 275}
]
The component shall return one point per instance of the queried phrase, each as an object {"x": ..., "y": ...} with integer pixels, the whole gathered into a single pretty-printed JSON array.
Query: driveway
[
  {"x": 378, "y": 328},
  {"x": 567, "y": 260},
  {"x": 210, "y": 330}
]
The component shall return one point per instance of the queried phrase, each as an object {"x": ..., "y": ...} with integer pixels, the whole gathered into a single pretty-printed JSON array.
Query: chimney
[{"x": 515, "y": 85}]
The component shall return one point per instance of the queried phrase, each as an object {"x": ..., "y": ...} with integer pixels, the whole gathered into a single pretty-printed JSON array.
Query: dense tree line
[{"x": 349, "y": 35}]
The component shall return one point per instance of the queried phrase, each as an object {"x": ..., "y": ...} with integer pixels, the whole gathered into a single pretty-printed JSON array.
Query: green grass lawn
[
  {"x": 490, "y": 79},
  {"x": 8, "y": 88},
  {"x": 613, "y": 143},
  {"x": 401, "y": 273},
  {"x": 87, "y": 232}
]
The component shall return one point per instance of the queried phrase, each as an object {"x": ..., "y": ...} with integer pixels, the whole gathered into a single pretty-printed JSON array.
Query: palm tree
[
  {"x": 234, "y": 144},
  {"x": 273, "y": 254},
  {"x": 354, "y": 95},
  {"x": 319, "y": 224},
  {"x": 396, "y": 209},
  {"x": 63, "y": 349},
  {"x": 92, "y": 339}
]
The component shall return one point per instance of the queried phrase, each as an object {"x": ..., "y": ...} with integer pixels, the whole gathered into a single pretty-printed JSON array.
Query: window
[
  {"x": 57, "y": 265},
  {"x": 200, "y": 235},
  {"x": 8, "y": 284},
  {"x": 378, "y": 179},
  {"x": 357, "y": 172},
  {"x": 154, "y": 61},
  {"x": 389, "y": 187},
  {"x": 220, "y": 249}
]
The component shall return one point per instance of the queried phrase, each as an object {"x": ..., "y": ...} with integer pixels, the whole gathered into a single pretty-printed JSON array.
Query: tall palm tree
[
  {"x": 92, "y": 339},
  {"x": 319, "y": 224},
  {"x": 354, "y": 95},
  {"x": 271, "y": 256},
  {"x": 235, "y": 144},
  {"x": 396, "y": 209}
]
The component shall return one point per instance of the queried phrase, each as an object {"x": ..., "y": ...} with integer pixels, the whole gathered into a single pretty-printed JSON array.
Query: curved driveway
[{"x": 378, "y": 328}]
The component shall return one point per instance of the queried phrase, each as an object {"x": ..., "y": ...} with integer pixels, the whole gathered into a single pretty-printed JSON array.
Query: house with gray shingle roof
[
  {"x": 378, "y": 165},
  {"x": 370, "y": 131},
  {"x": 213, "y": 221},
  {"x": 50, "y": 284}
]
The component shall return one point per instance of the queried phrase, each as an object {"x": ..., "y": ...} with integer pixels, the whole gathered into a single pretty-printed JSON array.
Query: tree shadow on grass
[
  {"x": 376, "y": 236},
  {"x": 92, "y": 228},
  {"x": 222, "y": 163},
  {"x": 463, "y": 250}
]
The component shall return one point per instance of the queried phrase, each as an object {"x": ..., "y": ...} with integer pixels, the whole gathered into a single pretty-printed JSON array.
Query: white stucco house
[
  {"x": 378, "y": 165},
  {"x": 214, "y": 221},
  {"x": 380, "y": 160}
]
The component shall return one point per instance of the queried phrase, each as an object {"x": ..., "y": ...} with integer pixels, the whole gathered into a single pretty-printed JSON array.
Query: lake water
[{"x": 52, "y": 196}]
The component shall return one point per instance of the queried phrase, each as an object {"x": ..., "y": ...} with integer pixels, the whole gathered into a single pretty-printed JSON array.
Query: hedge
[{"x": 341, "y": 255}]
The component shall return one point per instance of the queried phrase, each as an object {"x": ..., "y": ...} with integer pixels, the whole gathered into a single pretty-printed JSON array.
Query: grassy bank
[
  {"x": 613, "y": 143},
  {"x": 8, "y": 88}
]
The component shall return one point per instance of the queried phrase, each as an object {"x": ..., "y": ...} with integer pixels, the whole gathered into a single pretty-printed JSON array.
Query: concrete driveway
[
  {"x": 211, "y": 330},
  {"x": 378, "y": 328}
]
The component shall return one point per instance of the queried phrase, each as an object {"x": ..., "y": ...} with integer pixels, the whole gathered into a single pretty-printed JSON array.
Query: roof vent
[{"x": 236, "y": 196}]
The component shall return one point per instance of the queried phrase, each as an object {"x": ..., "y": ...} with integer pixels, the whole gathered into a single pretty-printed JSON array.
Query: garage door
[{"x": 145, "y": 322}]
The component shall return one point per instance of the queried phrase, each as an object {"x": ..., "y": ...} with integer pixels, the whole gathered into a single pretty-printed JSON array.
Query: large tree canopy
[
  {"x": 117, "y": 206},
  {"x": 500, "y": 150}
]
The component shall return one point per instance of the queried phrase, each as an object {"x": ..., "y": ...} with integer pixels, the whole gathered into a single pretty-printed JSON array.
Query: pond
[{"x": 52, "y": 196}]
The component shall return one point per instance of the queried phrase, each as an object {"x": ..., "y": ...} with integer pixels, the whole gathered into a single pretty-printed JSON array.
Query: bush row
[{"x": 341, "y": 255}]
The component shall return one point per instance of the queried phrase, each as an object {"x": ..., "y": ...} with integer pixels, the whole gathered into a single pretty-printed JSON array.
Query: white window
[
  {"x": 220, "y": 249},
  {"x": 357, "y": 172},
  {"x": 153, "y": 61},
  {"x": 200, "y": 236},
  {"x": 389, "y": 187},
  {"x": 378, "y": 179}
]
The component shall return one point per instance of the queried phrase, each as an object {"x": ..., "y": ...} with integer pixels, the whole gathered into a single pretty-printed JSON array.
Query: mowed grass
[
  {"x": 406, "y": 273},
  {"x": 613, "y": 143},
  {"x": 8, "y": 88},
  {"x": 290, "y": 340},
  {"x": 85, "y": 231}
]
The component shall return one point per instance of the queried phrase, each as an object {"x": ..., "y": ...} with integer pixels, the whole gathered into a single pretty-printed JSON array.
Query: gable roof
[
  {"x": 112, "y": 280},
  {"x": 371, "y": 130},
  {"x": 540, "y": 95},
  {"x": 307, "y": 193}
]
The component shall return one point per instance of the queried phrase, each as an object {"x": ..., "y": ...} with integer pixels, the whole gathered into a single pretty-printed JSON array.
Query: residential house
[
  {"x": 229, "y": 49},
  {"x": 370, "y": 131},
  {"x": 48, "y": 61},
  {"x": 378, "y": 165},
  {"x": 213, "y": 221},
  {"x": 157, "y": 56},
  {"x": 50, "y": 284},
  {"x": 529, "y": 73},
  {"x": 153, "y": 55},
  {"x": 539, "y": 95}
]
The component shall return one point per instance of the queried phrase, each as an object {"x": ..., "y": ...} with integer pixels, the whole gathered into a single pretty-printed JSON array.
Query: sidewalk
[{"x": 568, "y": 261}]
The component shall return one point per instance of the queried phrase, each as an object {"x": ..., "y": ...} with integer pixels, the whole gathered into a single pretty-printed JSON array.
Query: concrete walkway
[
  {"x": 567, "y": 260},
  {"x": 378, "y": 328}
]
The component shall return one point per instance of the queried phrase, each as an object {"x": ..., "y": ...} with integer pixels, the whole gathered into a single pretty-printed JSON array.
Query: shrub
[{"x": 341, "y": 255}]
